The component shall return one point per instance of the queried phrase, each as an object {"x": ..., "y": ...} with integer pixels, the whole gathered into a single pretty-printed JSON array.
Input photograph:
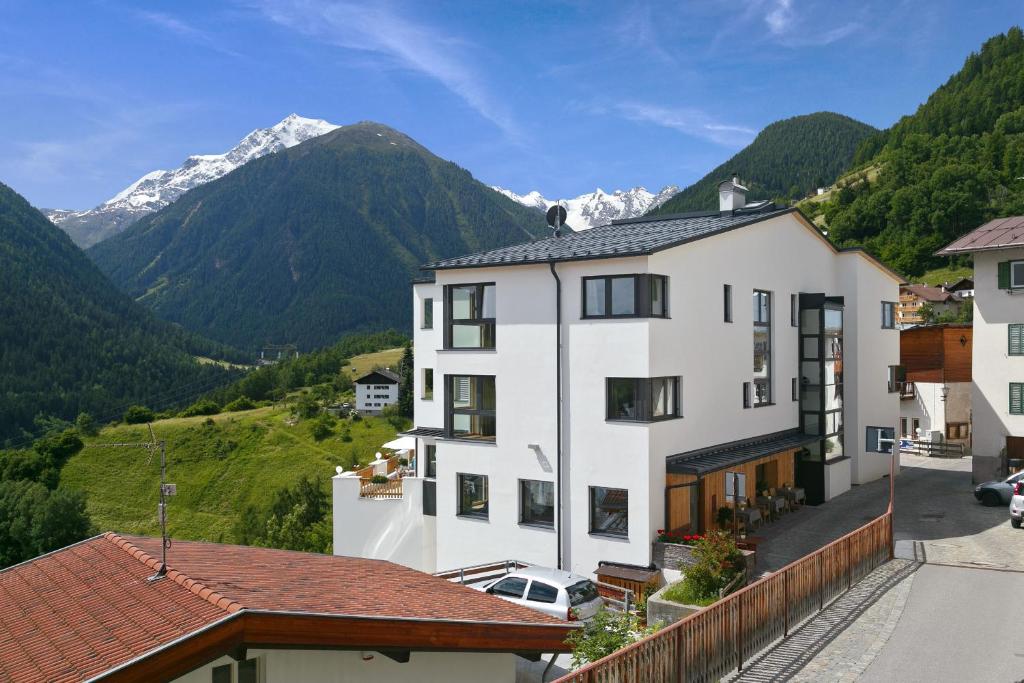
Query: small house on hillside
[
  {"x": 963, "y": 288},
  {"x": 376, "y": 390},
  {"x": 914, "y": 297},
  {"x": 98, "y": 610}
]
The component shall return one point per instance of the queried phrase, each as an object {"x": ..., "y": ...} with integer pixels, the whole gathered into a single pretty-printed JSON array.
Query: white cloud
[
  {"x": 377, "y": 29},
  {"x": 184, "y": 30},
  {"x": 779, "y": 17},
  {"x": 690, "y": 121}
]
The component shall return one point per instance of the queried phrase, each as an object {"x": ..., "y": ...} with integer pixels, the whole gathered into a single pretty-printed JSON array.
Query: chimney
[{"x": 731, "y": 195}]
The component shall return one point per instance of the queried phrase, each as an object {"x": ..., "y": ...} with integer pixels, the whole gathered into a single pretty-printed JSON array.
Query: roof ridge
[{"x": 199, "y": 589}]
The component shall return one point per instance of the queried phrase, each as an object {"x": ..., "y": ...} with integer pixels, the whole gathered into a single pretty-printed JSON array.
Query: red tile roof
[
  {"x": 1001, "y": 233},
  {"x": 88, "y": 608}
]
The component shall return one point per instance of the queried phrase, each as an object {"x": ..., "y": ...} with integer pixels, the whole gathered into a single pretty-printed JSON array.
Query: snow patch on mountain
[
  {"x": 157, "y": 189},
  {"x": 599, "y": 207}
]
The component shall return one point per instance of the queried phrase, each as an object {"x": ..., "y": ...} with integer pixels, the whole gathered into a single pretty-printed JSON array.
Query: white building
[
  {"x": 579, "y": 393},
  {"x": 375, "y": 391},
  {"x": 997, "y": 396}
]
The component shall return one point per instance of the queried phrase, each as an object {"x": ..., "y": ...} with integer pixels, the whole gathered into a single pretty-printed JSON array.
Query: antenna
[
  {"x": 166, "y": 491},
  {"x": 556, "y": 217}
]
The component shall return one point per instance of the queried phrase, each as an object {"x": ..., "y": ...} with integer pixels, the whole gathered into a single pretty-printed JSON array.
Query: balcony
[
  {"x": 390, "y": 489},
  {"x": 907, "y": 390}
]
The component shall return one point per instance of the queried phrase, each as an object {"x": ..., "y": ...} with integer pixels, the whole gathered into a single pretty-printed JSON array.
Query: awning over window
[{"x": 714, "y": 458}]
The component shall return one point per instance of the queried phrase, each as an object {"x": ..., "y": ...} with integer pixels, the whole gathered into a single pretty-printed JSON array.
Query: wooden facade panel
[
  {"x": 781, "y": 470},
  {"x": 936, "y": 354},
  {"x": 958, "y": 343}
]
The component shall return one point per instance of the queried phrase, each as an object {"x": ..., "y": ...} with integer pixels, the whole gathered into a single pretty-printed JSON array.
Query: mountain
[
  {"x": 937, "y": 174},
  {"x": 598, "y": 207},
  {"x": 157, "y": 189},
  {"x": 71, "y": 342},
  {"x": 310, "y": 242},
  {"x": 788, "y": 159}
]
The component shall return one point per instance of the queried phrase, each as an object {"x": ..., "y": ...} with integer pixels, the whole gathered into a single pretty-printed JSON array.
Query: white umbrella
[{"x": 402, "y": 443}]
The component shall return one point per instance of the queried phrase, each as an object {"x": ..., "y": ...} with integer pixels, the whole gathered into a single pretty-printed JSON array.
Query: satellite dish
[{"x": 556, "y": 216}]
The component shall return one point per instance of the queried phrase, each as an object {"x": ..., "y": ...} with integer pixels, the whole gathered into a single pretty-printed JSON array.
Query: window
[
  {"x": 248, "y": 671},
  {"x": 542, "y": 592},
  {"x": 795, "y": 388},
  {"x": 471, "y": 312},
  {"x": 904, "y": 428},
  {"x": 431, "y": 458},
  {"x": 473, "y": 496},
  {"x": 641, "y": 399},
  {"x": 746, "y": 394},
  {"x": 428, "y": 314},
  {"x": 609, "y": 511},
  {"x": 727, "y": 303},
  {"x": 875, "y": 442},
  {"x": 471, "y": 407},
  {"x": 536, "y": 502},
  {"x": 1016, "y": 398},
  {"x": 915, "y": 427},
  {"x": 794, "y": 310},
  {"x": 1015, "y": 339},
  {"x": 512, "y": 587},
  {"x": 221, "y": 674},
  {"x": 625, "y": 296},
  {"x": 897, "y": 378},
  {"x": 888, "y": 313},
  {"x": 762, "y": 386},
  {"x": 1011, "y": 274},
  {"x": 428, "y": 384},
  {"x": 957, "y": 430}
]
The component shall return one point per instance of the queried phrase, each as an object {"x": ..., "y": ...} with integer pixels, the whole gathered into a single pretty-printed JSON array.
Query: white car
[
  {"x": 552, "y": 591},
  {"x": 1017, "y": 504}
]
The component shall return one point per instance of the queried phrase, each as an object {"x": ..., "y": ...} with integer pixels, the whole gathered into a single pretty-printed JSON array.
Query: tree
[
  {"x": 138, "y": 415},
  {"x": 297, "y": 519},
  {"x": 86, "y": 425},
  {"x": 35, "y": 520},
  {"x": 406, "y": 385}
]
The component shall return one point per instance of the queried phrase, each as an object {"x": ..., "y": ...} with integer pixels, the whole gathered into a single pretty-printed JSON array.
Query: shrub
[
  {"x": 724, "y": 516},
  {"x": 379, "y": 479},
  {"x": 605, "y": 633},
  {"x": 321, "y": 428},
  {"x": 136, "y": 415},
  {"x": 718, "y": 564},
  {"x": 240, "y": 403},
  {"x": 201, "y": 407},
  {"x": 86, "y": 425}
]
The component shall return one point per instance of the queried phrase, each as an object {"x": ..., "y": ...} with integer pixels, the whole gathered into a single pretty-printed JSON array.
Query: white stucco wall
[
  {"x": 324, "y": 666},
  {"x": 383, "y": 528},
  {"x": 992, "y": 368},
  {"x": 373, "y": 398}
]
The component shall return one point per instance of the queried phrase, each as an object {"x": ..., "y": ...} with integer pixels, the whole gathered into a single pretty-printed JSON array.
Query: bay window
[
  {"x": 642, "y": 400},
  {"x": 470, "y": 410},
  {"x": 470, "y": 312}
]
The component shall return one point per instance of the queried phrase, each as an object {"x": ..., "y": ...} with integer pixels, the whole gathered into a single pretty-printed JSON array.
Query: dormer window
[{"x": 625, "y": 296}]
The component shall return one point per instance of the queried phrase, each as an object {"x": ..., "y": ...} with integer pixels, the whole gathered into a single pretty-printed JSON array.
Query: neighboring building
[
  {"x": 914, "y": 297},
  {"x": 271, "y": 354},
  {"x": 236, "y": 614},
  {"x": 376, "y": 390},
  {"x": 963, "y": 288},
  {"x": 997, "y": 396},
  {"x": 581, "y": 392},
  {"x": 935, "y": 388}
]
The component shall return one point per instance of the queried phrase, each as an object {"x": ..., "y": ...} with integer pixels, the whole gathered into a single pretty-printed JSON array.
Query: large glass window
[
  {"x": 609, "y": 511},
  {"x": 641, "y": 399},
  {"x": 537, "y": 502},
  {"x": 625, "y": 296},
  {"x": 471, "y": 407},
  {"x": 762, "y": 312},
  {"x": 471, "y": 311},
  {"x": 473, "y": 495}
]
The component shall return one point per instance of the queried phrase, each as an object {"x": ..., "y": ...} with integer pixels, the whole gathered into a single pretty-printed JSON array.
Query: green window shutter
[
  {"x": 1004, "y": 275},
  {"x": 1016, "y": 398},
  {"x": 1015, "y": 339}
]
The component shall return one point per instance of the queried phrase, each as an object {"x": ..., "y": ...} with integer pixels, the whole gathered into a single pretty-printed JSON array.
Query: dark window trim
[
  {"x": 450, "y": 410},
  {"x": 795, "y": 388},
  {"x": 892, "y": 318},
  {"x": 766, "y": 381},
  {"x": 458, "y": 506},
  {"x": 534, "y": 525},
  {"x": 428, "y": 471},
  {"x": 449, "y": 321},
  {"x": 747, "y": 400},
  {"x": 428, "y": 305},
  {"x": 423, "y": 389},
  {"x": 727, "y": 303},
  {"x": 644, "y": 391},
  {"x": 794, "y": 310},
  {"x": 641, "y": 296},
  {"x": 590, "y": 513},
  {"x": 896, "y": 377}
]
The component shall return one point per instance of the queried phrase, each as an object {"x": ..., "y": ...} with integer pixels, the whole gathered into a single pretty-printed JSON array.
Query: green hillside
[
  {"x": 221, "y": 465},
  {"x": 71, "y": 342},
  {"x": 943, "y": 171},
  {"x": 311, "y": 242},
  {"x": 788, "y": 159}
]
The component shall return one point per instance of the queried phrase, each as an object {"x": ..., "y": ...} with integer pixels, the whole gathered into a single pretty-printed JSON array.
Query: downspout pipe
[{"x": 558, "y": 410}]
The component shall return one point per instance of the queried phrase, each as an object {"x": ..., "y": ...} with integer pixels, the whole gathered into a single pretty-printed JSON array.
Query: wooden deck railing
[
  {"x": 390, "y": 489},
  {"x": 719, "y": 639}
]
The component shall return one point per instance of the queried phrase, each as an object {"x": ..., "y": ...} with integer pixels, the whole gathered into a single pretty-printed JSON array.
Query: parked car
[
  {"x": 994, "y": 493},
  {"x": 1017, "y": 504},
  {"x": 552, "y": 591}
]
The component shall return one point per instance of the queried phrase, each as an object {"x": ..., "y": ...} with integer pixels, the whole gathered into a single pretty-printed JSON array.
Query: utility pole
[{"x": 166, "y": 491}]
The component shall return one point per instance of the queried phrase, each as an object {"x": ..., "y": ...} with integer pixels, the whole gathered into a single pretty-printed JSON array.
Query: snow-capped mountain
[
  {"x": 157, "y": 189},
  {"x": 598, "y": 207}
]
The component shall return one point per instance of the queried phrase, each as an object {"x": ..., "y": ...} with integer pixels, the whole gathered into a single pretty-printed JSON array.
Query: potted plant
[{"x": 724, "y": 517}]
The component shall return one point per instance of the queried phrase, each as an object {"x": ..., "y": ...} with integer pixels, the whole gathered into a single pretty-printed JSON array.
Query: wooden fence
[
  {"x": 717, "y": 640},
  {"x": 390, "y": 489}
]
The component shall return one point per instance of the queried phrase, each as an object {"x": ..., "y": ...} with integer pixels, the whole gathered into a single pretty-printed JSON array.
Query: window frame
[
  {"x": 892, "y": 315},
  {"x": 766, "y": 325},
  {"x": 424, "y": 394},
  {"x": 1020, "y": 339},
  {"x": 478, "y": 319},
  {"x": 470, "y": 514},
  {"x": 522, "y": 499},
  {"x": 430, "y": 463},
  {"x": 450, "y": 411},
  {"x": 1020, "y": 398},
  {"x": 895, "y": 379},
  {"x": 643, "y": 304},
  {"x": 591, "y": 490},
  {"x": 1013, "y": 283},
  {"x": 727, "y": 303},
  {"x": 644, "y": 394},
  {"x": 427, "y": 321}
]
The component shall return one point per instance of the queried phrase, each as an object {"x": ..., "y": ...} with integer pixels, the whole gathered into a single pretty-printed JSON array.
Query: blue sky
[{"x": 557, "y": 96}]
